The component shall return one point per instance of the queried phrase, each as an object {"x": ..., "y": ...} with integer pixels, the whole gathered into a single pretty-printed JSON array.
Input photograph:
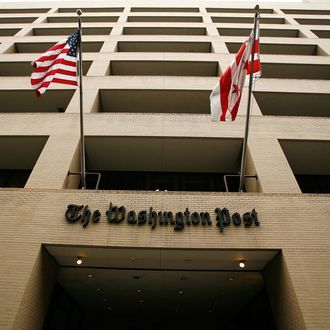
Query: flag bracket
[{"x": 89, "y": 173}]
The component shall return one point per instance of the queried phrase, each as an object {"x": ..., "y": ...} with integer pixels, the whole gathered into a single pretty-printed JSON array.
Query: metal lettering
[
  {"x": 152, "y": 218},
  {"x": 142, "y": 217},
  {"x": 86, "y": 215},
  {"x": 179, "y": 221},
  {"x": 72, "y": 213},
  {"x": 236, "y": 217},
  {"x": 131, "y": 217},
  {"x": 187, "y": 216},
  {"x": 96, "y": 216},
  {"x": 195, "y": 218},
  {"x": 206, "y": 219}
]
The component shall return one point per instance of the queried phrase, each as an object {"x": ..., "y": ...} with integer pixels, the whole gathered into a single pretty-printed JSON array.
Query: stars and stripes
[
  {"x": 226, "y": 96},
  {"x": 58, "y": 64}
]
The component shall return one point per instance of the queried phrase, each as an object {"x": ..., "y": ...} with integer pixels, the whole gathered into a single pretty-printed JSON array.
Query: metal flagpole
[
  {"x": 82, "y": 138},
  {"x": 247, "y": 123}
]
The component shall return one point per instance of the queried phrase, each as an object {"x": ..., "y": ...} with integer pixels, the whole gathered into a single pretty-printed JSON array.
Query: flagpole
[
  {"x": 82, "y": 138},
  {"x": 248, "y": 112}
]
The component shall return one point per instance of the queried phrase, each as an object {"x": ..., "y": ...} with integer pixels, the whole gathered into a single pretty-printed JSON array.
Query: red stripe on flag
[
  {"x": 256, "y": 46},
  {"x": 225, "y": 85},
  {"x": 53, "y": 73},
  {"x": 59, "y": 61},
  {"x": 66, "y": 82},
  {"x": 49, "y": 57},
  {"x": 59, "y": 45},
  {"x": 256, "y": 66},
  {"x": 235, "y": 108}
]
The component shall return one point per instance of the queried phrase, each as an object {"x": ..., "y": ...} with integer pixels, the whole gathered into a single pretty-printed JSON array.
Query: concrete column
[
  {"x": 55, "y": 158},
  {"x": 282, "y": 296},
  {"x": 27, "y": 277},
  {"x": 273, "y": 169}
]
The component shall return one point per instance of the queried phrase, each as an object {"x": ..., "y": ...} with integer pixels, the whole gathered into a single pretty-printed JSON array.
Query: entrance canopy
[{"x": 161, "y": 282}]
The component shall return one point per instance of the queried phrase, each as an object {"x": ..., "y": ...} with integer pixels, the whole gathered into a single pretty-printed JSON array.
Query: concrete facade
[{"x": 294, "y": 222}]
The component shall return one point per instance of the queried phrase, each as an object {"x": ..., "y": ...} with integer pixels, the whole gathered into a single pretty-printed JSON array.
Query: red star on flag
[{"x": 236, "y": 90}]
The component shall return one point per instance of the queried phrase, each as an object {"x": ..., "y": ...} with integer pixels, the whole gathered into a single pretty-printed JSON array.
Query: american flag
[{"x": 58, "y": 64}]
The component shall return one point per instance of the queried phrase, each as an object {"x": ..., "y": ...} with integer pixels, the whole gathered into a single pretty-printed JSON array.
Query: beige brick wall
[
  {"x": 282, "y": 295},
  {"x": 37, "y": 293},
  {"x": 298, "y": 224}
]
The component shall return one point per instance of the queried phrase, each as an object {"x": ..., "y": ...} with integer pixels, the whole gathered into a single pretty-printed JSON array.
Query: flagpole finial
[
  {"x": 256, "y": 8},
  {"x": 79, "y": 12}
]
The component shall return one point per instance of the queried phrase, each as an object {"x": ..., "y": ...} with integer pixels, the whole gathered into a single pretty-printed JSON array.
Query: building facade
[{"x": 161, "y": 240}]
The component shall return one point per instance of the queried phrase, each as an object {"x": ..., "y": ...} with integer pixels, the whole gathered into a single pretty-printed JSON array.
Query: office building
[{"x": 161, "y": 241}]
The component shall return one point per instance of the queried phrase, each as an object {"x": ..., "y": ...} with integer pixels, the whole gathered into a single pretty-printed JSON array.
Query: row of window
[
  {"x": 196, "y": 164},
  {"x": 186, "y": 19},
  {"x": 164, "y": 101},
  {"x": 182, "y": 68},
  {"x": 178, "y": 31},
  {"x": 174, "y": 46},
  {"x": 223, "y": 31},
  {"x": 165, "y": 9},
  {"x": 165, "y": 181}
]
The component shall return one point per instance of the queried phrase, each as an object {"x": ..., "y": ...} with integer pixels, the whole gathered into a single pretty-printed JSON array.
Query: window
[
  {"x": 151, "y": 163},
  {"x": 26, "y": 101},
  {"x": 22, "y": 152},
  {"x": 8, "y": 32},
  {"x": 263, "y": 20},
  {"x": 155, "y": 46},
  {"x": 23, "y": 10},
  {"x": 91, "y": 10},
  {"x": 69, "y": 31},
  {"x": 164, "y": 19},
  {"x": 322, "y": 33},
  {"x": 313, "y": 21},
  {"x": 306, "y": 11},
  {"x": 40, "y": 47},
  {"x": 164, "y": 31},
  {"x": 154, "y": 101},
  {"x": 282, "y": 49},
  {"x": 11, "y": 20},
  {"x": 282, "y": 33},
  {"x": 309, "y": 161},
  {"x": 25, "y": 68},
  {"x": 295, "y": 71},
  {"x": 162, "y": 68},
  {"x": 293, "y": 104},
  {"x": 239, "y": 10},
  {"x": 164, "y": 9},
  {"x": 67, "y": 19}
]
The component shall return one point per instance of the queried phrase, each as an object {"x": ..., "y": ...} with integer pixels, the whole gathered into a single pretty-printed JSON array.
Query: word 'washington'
[{"x": 179, "y": 220}]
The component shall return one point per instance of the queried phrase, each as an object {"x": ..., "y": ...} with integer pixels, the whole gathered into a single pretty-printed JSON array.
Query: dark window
[
  {"x": 318, "y": 184},
  {"x": 309, "y": 161},
  {"x": 171, "y": 181},
  {"x": 14, "y": 178}
]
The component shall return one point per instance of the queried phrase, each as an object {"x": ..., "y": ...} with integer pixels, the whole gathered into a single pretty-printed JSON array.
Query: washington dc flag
[{"x": 226, "y": 96}]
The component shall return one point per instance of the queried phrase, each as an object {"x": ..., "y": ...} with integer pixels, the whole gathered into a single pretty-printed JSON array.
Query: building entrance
[{"x": 159, "y": 289}]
